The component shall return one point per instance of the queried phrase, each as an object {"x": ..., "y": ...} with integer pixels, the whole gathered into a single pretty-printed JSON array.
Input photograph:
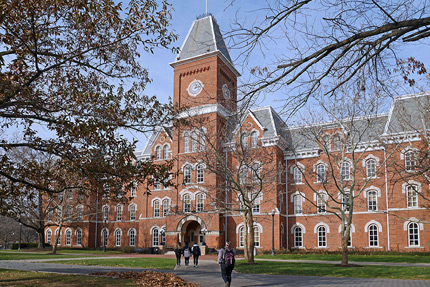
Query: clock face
[
  {"x": 194, "y": 88},
  {"x": 226, "y": 91}
]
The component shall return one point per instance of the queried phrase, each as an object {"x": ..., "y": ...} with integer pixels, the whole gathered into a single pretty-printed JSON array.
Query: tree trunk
[
  {"x": 344, "y": 251},
  {"x": 57, "y": 237},
  {"x": 41, "y": 238},
  {"x": 246, "y": 234},
  {"x": 251, "y": 235}
]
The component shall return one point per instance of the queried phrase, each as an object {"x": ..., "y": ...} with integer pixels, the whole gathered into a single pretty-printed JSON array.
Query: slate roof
[
  {"x": 408, "y": 113},
  {"x": 203, "y": 37}
]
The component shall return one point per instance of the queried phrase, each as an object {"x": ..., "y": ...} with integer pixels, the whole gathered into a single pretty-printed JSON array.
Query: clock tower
[
  {"x": 205, "y": 92},
  {"x": 205, "y": 77}
]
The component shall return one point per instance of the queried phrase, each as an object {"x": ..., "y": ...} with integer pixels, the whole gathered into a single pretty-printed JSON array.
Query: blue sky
[{"x": 186, "y": 12}]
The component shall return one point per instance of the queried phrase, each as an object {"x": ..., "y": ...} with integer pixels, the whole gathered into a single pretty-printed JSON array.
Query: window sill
[
  {"x": 373, "y": 247},
  {"x": 414, "y": 247}
]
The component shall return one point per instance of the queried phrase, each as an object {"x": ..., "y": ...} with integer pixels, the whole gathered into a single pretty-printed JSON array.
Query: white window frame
[
  {"x": 165, "y": 152},
  {"x": 298, "y": 204},
  {"x": 155, "y": 237},
  {"x": 200, "y": 173},
  {"x": 254, "y": 139},
  {"x": 321, "y": 173},
  {"x": 371, "y": 168},
  {"x": 166, "y": 206},
  {"x": 369, "y": 202},
  {"x": 297, "y": 175},
  {"x": 321, "y": 203},
  {"x": 200, "y": 201},
  {"x": 79, "y": 237},
  {"x": 345, "y": 171},
  {"x": 48, "y": 236},
  {"x": 412, "y": 195},
  {"x": 118, "y": 235},
  {"x": 322, "y": 236},
  {"x": 68, "y": 235},
  {"x": 133, "y": 190},
  {"x": 187, "y": 174},
  {"x": 193, "y": 141},
  {"x": 132, "y": 237},
  {"x": 202, "y": 141},
  {"x": 118, "y": 210},
  {"x": 373, "y": 235},
  {"x": 187, "y": 202},
  {"x": 414, "y": 237},
  {"x": 186, "y": 142},
  {"x": 156, "y": 208},
  {"x": 298, "y": 236},
  {"x": 132, "y": 212},
  {"x": 257, "y": 236},
  {"x": 244, "y": 141},
  {"x": 157, "y": 153},
  {"x": 410, "y": 160}
]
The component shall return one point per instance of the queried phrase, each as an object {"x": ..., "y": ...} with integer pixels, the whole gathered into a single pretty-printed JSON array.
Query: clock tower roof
[{"x": 204, "y": 39}]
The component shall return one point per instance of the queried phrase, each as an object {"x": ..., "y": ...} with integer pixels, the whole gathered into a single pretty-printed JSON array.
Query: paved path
[{"x": 208, "y": 275}]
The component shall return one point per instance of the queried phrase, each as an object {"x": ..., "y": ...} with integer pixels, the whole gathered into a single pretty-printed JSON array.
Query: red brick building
[{"x": 297, "y": 206}]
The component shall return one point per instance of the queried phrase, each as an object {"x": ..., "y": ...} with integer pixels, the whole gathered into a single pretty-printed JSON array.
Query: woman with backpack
[
  {"x": 226, "y": 259},
  {"x": 178, "y": 253},
  {"x": 187, "y": 254}
]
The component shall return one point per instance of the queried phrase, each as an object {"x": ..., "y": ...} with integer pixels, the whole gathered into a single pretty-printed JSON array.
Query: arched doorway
[{"x": 190, "y": 228}]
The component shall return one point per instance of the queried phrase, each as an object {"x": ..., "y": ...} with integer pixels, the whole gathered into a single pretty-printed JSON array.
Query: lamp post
[
  {"x": 204, "y": 230},
  {"x": 104, "y": 233},
  {"x": 273, "y": 232},
  {"x": 20, "y": 230}
]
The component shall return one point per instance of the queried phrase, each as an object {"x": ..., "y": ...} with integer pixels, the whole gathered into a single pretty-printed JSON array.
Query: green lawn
[
  {"x": 152, "y": 263},
  {"x": 383, "y": 257},
  {"x": 314, "y": 269},
  {"x": 23, "y": 256},
  {"x": 25, "y": 278}
]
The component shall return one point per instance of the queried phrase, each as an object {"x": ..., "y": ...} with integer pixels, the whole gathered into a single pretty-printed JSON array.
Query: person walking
[
  {"x": 226, "y": 259},
  {"x": 178, "y": 253},
  {"x": 187, "y": 254},
  {"x": 196, "y": 253}
]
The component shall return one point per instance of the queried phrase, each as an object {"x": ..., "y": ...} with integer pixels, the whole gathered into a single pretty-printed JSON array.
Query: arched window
[
  {"x": 187, "y": 174},
  {"x": 158, "y": 153},
  {"x": 200, "y": 173},
  {"x": 337, "y": 144},
  {"x": 321, "y": 176},
  {"x": 202, "y": 141},
  {"x": 133, "y": 191},
  {"x": 48, "y": 236},
  {"x": 166, "y": 152},
  {"x": 118, "y": 237},
  {"x": 118, "y": 212},
  {"x": 297, "y": 175},
  {"x": 371, "y": 168},
  {"x": 132, "y": 212},
  {"x": 78, "y": 237},
  {"x": 326, "y": 142},
  {"x": 413, "y": 234},
  {"x": 155, "y": 238},
  {"x": 345, "y": 202},
  {"x": 255, "y": 171},
  {"x": 321, "y": 205},
  {"x": 244, "y": 141},
  {"x": 298, "y": 237},
  {"x": 243, "y": 174},
  {"x": 105, "y": 236},
  {"x": 105, "y": 212},
  {"x": 254, "y": 140},
  {"x": 187, "y": 203},
  {"x": 163, "y": 236},
  {"x": 346, "y": 170},
  {"x": 200, "y": 202},
  {"x": 256, "y": 236},
  {"x": 68, "y": 236},
  {"x": 255, "y": 202},
  {"x": 132, "y": 237},
  {"x": 322, "y": 236},
  {"x": 410, "y": 161},
  {"x": 242, "y": 236},
  {"x": 156, "y": 208},
  {"x": 166, "y": 207},
  {"x": 79, "y": 212},
  {"x": 186, "y": 142},
  {"x": 193, "y": 141},
  {"x": 412, "y": 196},
  {"x": 297, "y": 199},
  {"x": 373, "y": 236},
  {"x": 372, "y": 200}
]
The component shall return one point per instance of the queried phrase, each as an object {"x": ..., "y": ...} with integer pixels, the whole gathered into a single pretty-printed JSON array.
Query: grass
[
  {"x": 152, "y": 263},
  {"x": 372, "y": 257},
  {"x": 25, "y": 278},
  {"x": 29, "y": 256},
  {"x": 328, "y": 270}
]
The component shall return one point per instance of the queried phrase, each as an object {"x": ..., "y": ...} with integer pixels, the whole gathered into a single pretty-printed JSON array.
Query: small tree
[{"x": 343, "y": 143}]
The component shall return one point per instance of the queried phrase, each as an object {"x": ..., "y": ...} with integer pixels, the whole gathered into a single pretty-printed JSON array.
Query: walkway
[{"x": 208, "y": 274}]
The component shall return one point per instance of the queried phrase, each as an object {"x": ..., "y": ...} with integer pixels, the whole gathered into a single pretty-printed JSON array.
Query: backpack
[
  {"x": 196, "y": 251},
  {"x": 229, "y": 257},
  {"x": 186, "y": 252}
]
